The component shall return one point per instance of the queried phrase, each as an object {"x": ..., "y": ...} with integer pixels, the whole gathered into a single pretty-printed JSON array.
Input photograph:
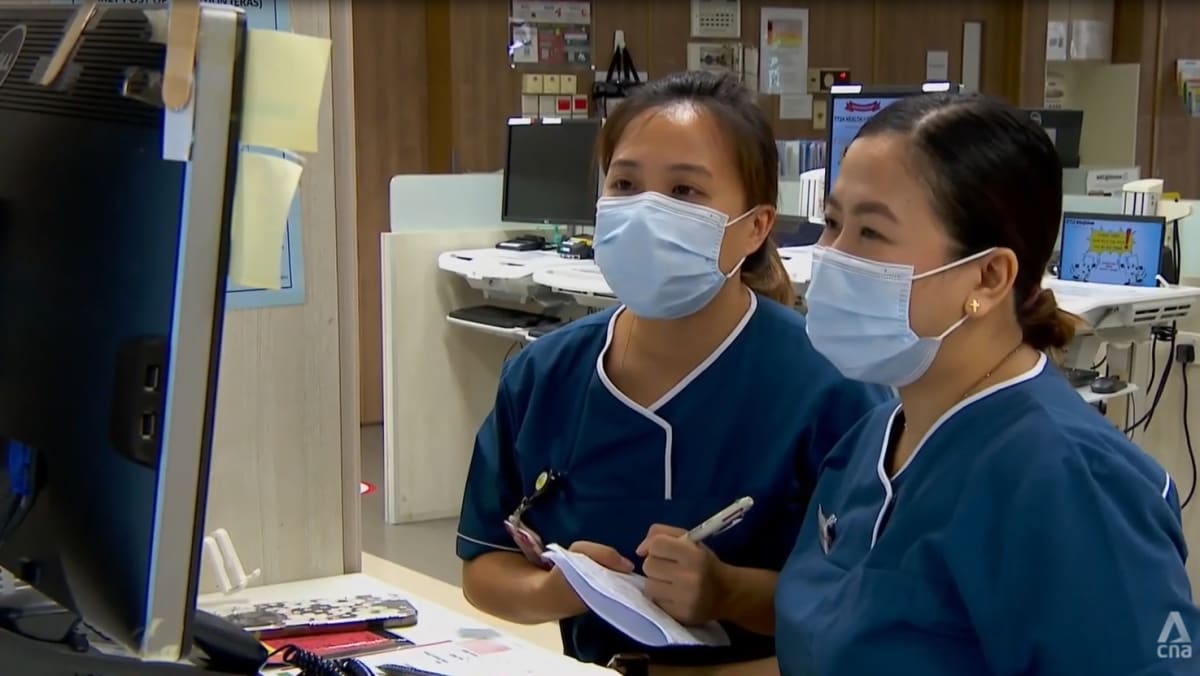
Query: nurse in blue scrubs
[
  {"x": 991, "y": 523},
  {"x": 612, "y": 434}
]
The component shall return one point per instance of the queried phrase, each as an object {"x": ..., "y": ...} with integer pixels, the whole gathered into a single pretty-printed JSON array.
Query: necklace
[
  {"x": 977, "y": 383},
  {"x": 992, "y": 370},
  {"x": 628, "y": 340}
]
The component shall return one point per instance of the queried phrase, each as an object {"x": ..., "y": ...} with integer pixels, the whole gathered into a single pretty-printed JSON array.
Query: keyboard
[
  {"x": 542, "y": 329},
  {"x": 504, "y": 318}
]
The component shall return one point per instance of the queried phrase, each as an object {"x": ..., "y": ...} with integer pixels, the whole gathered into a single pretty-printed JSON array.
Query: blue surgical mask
[
  {"x": 858, "y": 317},
  {"x": 659, "y": 255}
]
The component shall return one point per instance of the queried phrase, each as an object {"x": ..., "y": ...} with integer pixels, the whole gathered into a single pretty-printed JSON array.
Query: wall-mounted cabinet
[{"x": 1079, "y": 30}]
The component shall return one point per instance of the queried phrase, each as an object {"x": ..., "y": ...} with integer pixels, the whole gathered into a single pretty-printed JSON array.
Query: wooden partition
[
  {"x": 392, "y": 124},
  {"x": 880, "y": 41},
  {"x": 841, "y": 35},
  {"x": 1154, "y": 34},
  {"x": 1176, "y": 144},
  {"x": 1135, "y": 40}
]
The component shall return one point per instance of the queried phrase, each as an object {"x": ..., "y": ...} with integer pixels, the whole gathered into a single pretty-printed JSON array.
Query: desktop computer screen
[
  {"x": 550, "y": 171},
  {"x": 1065, "y": 128},
  {"x": 850, "y": 106},
  {"x": 112, "y": 277},
  {"x": 795, "y": 231},
  {"x": 1111, "y": 249}
]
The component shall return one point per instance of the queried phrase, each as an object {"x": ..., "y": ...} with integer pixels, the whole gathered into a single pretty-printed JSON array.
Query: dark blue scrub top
[
  {"x": 1025, "y": 535},
  {"x": 756, "y": 419}
]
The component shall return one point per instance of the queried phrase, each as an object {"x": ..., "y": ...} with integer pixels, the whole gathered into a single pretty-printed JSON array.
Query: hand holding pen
[{"x": 683, "y": 576}]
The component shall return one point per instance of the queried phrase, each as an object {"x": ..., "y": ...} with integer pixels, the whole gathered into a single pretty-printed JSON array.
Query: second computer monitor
[
  {"x": 1111, "y": 249},
  {"x": 1065, "y": 128},
  {"x": 850, "y": 106},
  {"x": 550, "y": 172}
]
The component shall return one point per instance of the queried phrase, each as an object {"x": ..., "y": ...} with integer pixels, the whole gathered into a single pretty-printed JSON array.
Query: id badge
[{"x": 528, "y": 542}]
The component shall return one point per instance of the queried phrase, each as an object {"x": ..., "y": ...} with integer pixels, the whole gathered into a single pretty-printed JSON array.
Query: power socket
[
  {"x": 818, "y": 113},
  {"x": 1187, "y": 347}
]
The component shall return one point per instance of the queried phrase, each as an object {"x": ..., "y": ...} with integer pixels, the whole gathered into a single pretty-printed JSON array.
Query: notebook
[{"x": 619, "y": 599}]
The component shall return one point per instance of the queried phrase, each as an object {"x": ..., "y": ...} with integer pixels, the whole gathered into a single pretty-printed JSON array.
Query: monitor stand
[
  {"x": 30, "y": 657},
  {"x": 227, "y": 651}
]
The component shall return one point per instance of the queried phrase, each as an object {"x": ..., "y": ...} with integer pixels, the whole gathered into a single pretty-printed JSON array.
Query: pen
[{"x": 721, "y": 521}]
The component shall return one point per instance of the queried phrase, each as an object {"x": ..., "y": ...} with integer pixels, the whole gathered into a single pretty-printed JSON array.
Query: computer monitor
[
  {"x": 1111, "y": 249},
  {"x": 112, "y": 277},
  {"x": 850, "y": 106},
  {"x": 550, "y": 171},
  {"x": 1064, "y": 127},
  {"x": 795, "y": 231}
]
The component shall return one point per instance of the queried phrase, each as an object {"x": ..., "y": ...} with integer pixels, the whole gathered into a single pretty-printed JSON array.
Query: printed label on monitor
[{"x": 1117, "y": 251}]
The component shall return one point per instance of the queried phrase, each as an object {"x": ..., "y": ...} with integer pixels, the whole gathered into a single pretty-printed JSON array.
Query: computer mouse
[{"x": 1107, "y": 385}]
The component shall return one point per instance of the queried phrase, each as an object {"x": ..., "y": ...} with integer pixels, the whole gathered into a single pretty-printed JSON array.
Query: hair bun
[
  {"x": 763, "y": 273},
  {"x": 1043, "y": 324}
]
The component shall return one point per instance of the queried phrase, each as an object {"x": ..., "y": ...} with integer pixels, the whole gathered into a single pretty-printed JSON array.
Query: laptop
[{"x": 1114, "y": 249}]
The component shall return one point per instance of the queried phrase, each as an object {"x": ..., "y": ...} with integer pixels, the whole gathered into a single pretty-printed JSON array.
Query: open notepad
[{"x": 620, "y": 600}]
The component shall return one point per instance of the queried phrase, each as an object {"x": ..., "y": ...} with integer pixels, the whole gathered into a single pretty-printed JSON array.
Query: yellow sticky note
[
  {"x": 266, "y": 186},
  {"x": 285, "y": 75}
]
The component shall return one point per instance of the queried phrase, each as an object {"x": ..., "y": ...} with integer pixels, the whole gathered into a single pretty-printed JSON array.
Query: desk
[
  {"x": 1095, "y": 398},
  {"x": 1106, "y": 307},
  {"x": 500, "y": 272},
  {"x": 448, "y": 630},
  {"x": 581, "y": 280},
  {"x": 520, "y": 272},
  {"x": 451, "y": 598}
]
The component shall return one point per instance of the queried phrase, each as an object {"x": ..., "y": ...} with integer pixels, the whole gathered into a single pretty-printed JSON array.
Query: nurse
[
  {"x": 991, "y": 522},
  {"x": 612, "y": 434}
]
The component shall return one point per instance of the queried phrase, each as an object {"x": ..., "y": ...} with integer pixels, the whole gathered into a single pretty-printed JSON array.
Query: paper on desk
[
  {"x": 620, "y": 600},
  {"x": 486, "y": 656},
  {"x": 266, "y": 186},
  {"x": 285, "y": 75}
]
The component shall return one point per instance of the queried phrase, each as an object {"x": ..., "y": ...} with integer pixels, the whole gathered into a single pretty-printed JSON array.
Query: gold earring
[{"x": 974, "y": 305}]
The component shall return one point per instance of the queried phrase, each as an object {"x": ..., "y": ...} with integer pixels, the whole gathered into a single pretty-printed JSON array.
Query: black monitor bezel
[
  {"x": 527, "y": 122},
  {"x": 865, "y": 91},
  {"x": 1075, "y": 116}
]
